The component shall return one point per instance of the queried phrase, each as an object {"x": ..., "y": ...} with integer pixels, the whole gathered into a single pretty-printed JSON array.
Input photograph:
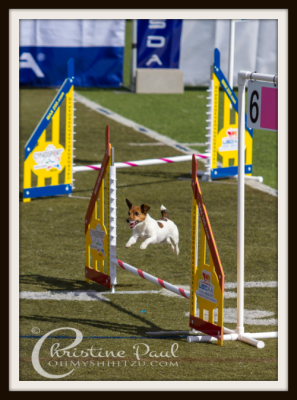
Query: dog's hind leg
[
  {"x": 169, "y": 242},
  {"x": 175, "y": 239}
]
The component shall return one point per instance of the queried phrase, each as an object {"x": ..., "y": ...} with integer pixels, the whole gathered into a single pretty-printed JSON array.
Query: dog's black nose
[{"x": 127, "y": 220}]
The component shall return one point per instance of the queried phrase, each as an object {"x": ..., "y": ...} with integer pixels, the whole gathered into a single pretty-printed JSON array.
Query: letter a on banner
[{"x": 207, "y": 280}]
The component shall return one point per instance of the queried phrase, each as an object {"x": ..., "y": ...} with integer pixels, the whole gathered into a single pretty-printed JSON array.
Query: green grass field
[{"x": 52, "y": 256}]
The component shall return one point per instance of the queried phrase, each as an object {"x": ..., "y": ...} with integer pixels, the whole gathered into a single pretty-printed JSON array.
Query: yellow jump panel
[{"x": 207, "y": 280}]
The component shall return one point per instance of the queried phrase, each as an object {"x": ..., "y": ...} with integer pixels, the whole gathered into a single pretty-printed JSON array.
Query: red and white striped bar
[
  {"x": 140, "y": 163},
  {"x": 153, "y": 279}
]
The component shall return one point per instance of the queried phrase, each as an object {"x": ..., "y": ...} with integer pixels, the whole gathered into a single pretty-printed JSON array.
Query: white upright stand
[
  {"x": 112, "y": 222},
  {"x": 239, "y": 334},
  {"x": 242, "y": 77},
  {"x": 231, "y": 53},
  {"x": 134, "y": 55},
  {"x": 209, "y": 135}
]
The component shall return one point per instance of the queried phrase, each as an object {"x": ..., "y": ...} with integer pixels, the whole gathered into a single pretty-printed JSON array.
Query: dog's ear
[
  {"x": 144, "y": 208},
  {"x": 128, "y": 203}
]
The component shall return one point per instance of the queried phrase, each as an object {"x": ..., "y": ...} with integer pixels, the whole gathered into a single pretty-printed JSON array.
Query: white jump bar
[{"x": 140, "y": 163}]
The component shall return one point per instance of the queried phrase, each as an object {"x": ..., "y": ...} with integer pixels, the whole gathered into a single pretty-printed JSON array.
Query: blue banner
[
  {"x": 158, "y": 43},
  {"x": 101, "y": 67},
  {"x": 97, "y": 47}
]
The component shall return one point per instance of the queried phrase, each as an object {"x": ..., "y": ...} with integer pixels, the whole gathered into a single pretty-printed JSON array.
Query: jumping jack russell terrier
[{"x": 150, "y": 231}]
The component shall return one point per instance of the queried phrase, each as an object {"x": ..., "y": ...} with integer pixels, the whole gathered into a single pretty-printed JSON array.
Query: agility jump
[
  {"x": 223, "y": 142},
  {"x": 48, "y": 158},
  {"x": 207, "y": 281},
  {"x": 211, "y": 285},
  {"x": 101, "y": 240}
]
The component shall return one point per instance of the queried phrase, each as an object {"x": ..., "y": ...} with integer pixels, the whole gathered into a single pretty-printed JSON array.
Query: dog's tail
[{"x": 164, "y": 212}]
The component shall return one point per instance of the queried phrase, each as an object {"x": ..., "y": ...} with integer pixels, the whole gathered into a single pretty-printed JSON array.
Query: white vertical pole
[
  {"x": 134, "y": 55},
  {"x": 112, "y": 222},
  {"x": 231, "y": 53},
  {"x": 209, "y": 127},
  {"x": 197, "y": 246},
  {"x": 240, "y": 206},
  {"x": 73, "y": 142},
  {"x": 196, "y": 260}
]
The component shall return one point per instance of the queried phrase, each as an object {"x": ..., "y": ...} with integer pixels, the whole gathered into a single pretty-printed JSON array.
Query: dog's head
[{"x": 136, "y": 214}]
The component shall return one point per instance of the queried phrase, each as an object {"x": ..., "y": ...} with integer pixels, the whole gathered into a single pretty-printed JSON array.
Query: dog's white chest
[
  {"x": 143, "y": 237},
  {"x": 144, "y": 234}
]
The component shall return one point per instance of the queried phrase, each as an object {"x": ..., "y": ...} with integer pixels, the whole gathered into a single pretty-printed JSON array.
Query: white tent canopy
[{"x": 255, "y": 48}]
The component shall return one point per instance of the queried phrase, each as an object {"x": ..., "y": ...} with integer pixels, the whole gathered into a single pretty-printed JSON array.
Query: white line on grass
[
  {"x": 93, "y": 295},
  {"x": 233, "y": 285},
  {"x": 164, "y": 292},
  {"x": 251, "y": 317},
  {"x": 134, "y": 292},
  {"x": 182, "y": 147},
  {"x": 74, "y": 295}
]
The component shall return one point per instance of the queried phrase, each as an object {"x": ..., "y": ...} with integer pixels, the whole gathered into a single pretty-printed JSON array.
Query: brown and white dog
[{"x": 150, "y": 231}]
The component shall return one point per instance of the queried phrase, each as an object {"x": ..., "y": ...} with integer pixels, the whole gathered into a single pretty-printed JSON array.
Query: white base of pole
[
  {"x": 206, "y": 338},
  {"x": 252, "y": 178},
  {"x": 249, "y": 338},
  {"x": 253, "y": 342}
]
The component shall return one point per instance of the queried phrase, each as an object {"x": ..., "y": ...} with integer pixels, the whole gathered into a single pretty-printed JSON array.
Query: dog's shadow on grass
[{"x": 51, "y": 283}]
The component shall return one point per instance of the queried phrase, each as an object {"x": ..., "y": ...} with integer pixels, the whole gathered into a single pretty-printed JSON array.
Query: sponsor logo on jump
[
  {"x": 205, "y": 288},
  {"x": 230, "y": 141},
  {"x": 97, "y": 237},
  {"x": 49, "y": 158}
]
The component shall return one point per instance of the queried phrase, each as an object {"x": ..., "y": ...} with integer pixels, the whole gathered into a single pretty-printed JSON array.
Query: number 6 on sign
[
  {"x": 262, "y": 106},
  {"x": 254, "y": 105}
]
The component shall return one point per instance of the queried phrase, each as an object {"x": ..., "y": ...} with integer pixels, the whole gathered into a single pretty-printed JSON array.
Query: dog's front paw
[
  {"x": 128, "y": 245},
  {"x": 142, "y": 247}
]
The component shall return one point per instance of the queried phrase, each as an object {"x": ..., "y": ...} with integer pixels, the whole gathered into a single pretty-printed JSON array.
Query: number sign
[{"x": 262, "y": 106}]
